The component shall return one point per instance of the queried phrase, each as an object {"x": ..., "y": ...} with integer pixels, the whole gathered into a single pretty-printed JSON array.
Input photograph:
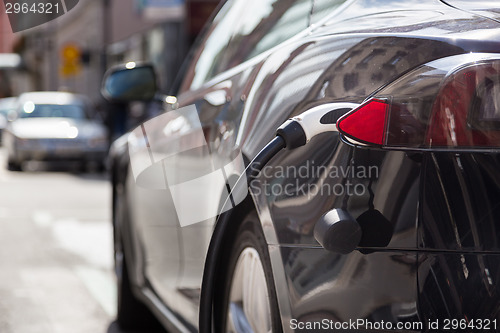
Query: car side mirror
[{"x": 130, "y": 82}]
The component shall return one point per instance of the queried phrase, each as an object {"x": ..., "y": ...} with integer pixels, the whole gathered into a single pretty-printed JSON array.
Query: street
[{"x": 55, "y": 252}]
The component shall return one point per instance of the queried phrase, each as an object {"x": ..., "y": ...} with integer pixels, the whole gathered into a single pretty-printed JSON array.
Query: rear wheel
[{"x": 250, "y": 303}]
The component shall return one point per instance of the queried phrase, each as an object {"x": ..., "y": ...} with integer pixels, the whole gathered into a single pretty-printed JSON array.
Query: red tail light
[
  {"x": 367, "y": 124},
  {"x": 445, "y": 104},
  {"x": 466, "y": 112}
]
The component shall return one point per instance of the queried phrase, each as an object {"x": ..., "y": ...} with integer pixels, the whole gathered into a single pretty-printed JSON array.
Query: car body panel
[
  {"x": 377, "y": 286},
  {"x": 486, "y": 8},
  {"x": 360, "y": 48},
  {"x": 460, "y": 210},
  {"x": 459, "y": 286}
]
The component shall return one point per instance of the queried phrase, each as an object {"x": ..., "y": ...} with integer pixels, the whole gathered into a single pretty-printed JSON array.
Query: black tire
[
  {"x": 249, "y": 238},
  {"x": 131, "y": 313},
  {"x": 93, "y": 166},
  {"x": 13, "y": 165}
]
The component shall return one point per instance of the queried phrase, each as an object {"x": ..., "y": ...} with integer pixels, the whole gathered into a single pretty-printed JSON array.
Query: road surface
[{"x": 55, "y": 251}]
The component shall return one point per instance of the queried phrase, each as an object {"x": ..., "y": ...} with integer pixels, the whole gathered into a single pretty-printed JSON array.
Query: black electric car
[{"x": 386, "y": 220}]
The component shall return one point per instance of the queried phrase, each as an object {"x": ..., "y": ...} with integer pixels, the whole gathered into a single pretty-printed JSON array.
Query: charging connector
[{"x": 298, "y": 131}]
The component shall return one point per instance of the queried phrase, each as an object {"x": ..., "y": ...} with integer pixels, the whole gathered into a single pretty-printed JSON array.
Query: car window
[
  {"x": 208, "y": 63},
  {"x": 266, "y": 24},
  {"x": 31, "y": 110},
  {"x": 244, "y": 29},
  {"x": 322, "y": 8}
]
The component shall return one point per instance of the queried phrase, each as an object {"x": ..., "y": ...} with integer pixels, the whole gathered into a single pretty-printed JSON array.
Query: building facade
[{"x": 73, "y": 51}]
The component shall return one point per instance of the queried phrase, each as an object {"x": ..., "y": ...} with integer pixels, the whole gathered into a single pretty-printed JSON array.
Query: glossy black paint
[
  {"x": 459, "y": 286},
  {"x": 349, "y": 287},
  {"x": 458, "y": 237},
  {"x": 360, "y": 71},
  {"x": 461, "y": 206},
  {"x": 442, "y": 256}
]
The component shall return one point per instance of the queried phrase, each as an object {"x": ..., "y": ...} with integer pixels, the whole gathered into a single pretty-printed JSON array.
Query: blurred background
[
  {"x": 56, "y": 253},
  {"x": 74, "y": 50}
]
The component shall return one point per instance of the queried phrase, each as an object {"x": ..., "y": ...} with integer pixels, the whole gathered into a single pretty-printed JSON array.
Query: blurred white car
[
  {"x": 54, "y": 126},
  {"x": 7, "y": 105}
]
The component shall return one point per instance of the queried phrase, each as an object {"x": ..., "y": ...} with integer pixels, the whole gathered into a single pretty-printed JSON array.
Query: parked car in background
[
  {"x": 7, "y": 106},
  {"x": 414, "y": 172},
  {"x": 54, "y": 126}
]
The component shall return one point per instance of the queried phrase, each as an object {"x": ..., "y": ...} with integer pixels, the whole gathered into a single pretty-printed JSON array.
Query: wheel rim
[{"x": 249, "y": 309}]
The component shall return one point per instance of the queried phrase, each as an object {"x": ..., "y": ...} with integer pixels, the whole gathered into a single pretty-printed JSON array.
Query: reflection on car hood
[
  {"x": 39, "y": 128},
  {"x": 485, "y": 8}
]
